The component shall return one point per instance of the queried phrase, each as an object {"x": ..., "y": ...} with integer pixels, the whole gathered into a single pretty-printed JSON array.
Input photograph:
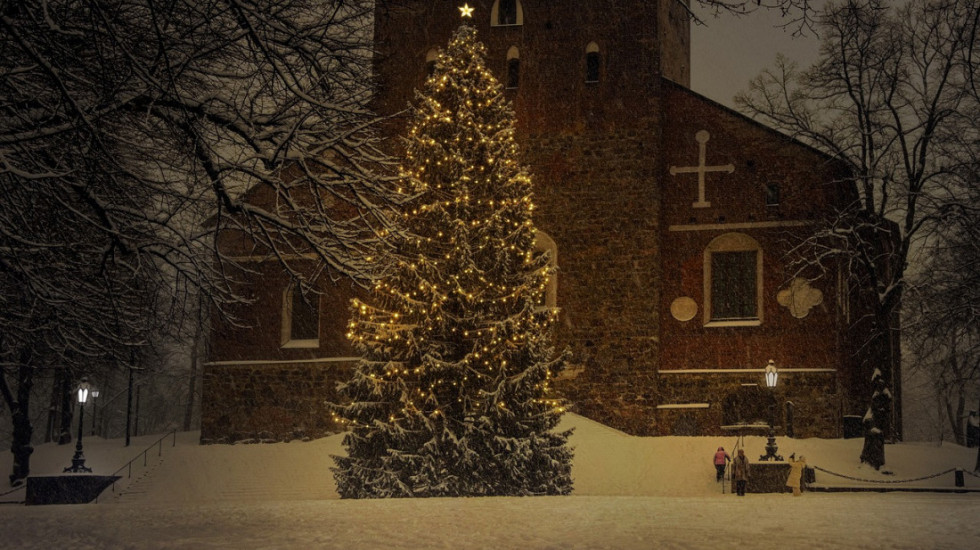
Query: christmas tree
[{"x": 451, "y": 396}]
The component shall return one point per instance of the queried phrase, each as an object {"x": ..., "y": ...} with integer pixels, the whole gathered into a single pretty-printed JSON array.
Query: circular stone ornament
[{"x": 684, "y": 308}]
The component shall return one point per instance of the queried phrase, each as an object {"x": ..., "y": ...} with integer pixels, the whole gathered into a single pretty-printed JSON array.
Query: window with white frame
[
  {"x": 506, "y": 12},
  {"x": 300, "y": 318},
  {"x": 733, "y": 281}
]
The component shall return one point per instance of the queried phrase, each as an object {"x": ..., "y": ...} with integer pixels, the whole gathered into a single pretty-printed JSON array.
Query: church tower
[
  {"x": 586, "y": 80},
  {"x": 568, "y": 66}
]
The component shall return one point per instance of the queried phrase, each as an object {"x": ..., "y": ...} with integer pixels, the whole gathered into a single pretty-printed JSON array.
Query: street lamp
[
  {"x": 84, "y": 392},
  {"x": 772, "y": 374}
]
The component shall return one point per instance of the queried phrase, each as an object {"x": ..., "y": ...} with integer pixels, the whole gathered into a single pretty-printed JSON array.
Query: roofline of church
[{"x": 829, "y": 158}]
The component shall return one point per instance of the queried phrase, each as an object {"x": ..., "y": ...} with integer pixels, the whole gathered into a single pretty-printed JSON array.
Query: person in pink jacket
[{"x": 721, "y": 458}]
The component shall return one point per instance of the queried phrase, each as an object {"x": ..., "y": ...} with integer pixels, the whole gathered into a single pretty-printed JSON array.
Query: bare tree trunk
[
  {"x": 896, "y": 429},
  {"x": 64, "y": 436},
  {"x": 953, "y": 389},
  {"x": 976, "y": 467},
  {"x": 20, "y": 445},
  {"x": 957, "y": 420},
  {"x": 51, "y": 425},
  {"x": 870, "y": 102},
  {"x": 192, "y": 390}
]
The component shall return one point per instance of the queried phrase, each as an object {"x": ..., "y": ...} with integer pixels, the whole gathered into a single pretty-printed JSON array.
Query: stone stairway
[
  {"x": 137, "y": 487},
  {"x": 190, "y": 472}
]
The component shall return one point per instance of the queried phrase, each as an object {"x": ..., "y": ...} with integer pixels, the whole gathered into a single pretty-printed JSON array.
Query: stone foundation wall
[
  {"x": 815, "y": 397},
  {"x": 767, "y": 477},
  {"x": 270, "y": 402}
]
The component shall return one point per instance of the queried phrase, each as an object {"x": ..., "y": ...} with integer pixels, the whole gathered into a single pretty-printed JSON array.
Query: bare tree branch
[
  {"x": 134, "y": 136},
  {"x": 890, "y": 97}
]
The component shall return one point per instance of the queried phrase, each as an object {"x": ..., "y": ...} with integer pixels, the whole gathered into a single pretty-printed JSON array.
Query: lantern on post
[
  {"x": 83, "y": 393},
  {"x": 772, "y": 376}
]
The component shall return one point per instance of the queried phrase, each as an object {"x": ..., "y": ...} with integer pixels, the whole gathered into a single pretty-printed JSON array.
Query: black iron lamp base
[
  {"x": 78, "y": 464},
  {"x": 771, "y": 449}
]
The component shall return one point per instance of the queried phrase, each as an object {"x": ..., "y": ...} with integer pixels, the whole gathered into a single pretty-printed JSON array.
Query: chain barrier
[
  {"x": 972, "y": 474},
  {"x": 884, "y": 480}
]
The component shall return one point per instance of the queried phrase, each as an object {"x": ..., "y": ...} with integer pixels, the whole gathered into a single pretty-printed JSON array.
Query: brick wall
[
  {"x": 810, "y": 186},
  {"x": 256, "y": 389},
  {"x": 814, "y": 394},
  {"x": 269, "y": 401},
  {"x": 601, "y": 206}
]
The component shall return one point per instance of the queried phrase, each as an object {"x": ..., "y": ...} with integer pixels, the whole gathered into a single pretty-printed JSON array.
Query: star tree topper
[{"x": 466, "y": 10}]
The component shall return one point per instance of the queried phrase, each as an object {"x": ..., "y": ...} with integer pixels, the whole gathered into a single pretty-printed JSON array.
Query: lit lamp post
[
  {"x": 772, "y": 374},
  {"x": 78, "y": 461}
]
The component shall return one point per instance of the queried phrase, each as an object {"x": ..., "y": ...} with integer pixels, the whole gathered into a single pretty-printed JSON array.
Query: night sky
[{"x": 727, "y": 52}]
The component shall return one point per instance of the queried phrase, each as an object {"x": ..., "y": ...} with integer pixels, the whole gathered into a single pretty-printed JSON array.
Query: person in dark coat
[
  {"x": 740, "y": 471},
  {"x": 721, "y": 459}
]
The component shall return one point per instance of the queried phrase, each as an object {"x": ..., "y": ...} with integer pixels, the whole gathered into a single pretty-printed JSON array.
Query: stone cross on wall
[{"x": 701, "y": 169}]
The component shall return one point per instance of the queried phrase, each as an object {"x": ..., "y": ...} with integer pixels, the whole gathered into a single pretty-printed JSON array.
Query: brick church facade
[{"x": 671, "y": 219}]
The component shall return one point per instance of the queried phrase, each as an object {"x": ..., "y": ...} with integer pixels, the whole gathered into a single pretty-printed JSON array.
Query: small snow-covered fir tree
[
  {"x": 873, "y": 452},
  {"x": 451, "y": 396}
]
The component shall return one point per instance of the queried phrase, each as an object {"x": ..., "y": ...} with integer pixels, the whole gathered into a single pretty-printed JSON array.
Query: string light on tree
[{"x": 452, "y": 395}]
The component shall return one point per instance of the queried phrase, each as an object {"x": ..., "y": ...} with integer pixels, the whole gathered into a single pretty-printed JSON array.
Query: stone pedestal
[
  {"x": 767, "y": 477},
  {"x": 66, "y": 489}
]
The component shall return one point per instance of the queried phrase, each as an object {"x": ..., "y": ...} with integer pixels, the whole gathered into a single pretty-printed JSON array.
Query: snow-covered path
[
  {"x": 814, "y": 521},
  {"x": 630, "y": 492}
]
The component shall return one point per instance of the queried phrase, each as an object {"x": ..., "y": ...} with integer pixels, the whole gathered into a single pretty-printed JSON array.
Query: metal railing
[
  {"x": 12, "y": 491},
  {"x": 158, "y": 444}
]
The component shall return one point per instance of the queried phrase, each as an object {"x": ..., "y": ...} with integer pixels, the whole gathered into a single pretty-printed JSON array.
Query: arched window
[
  {"x": 300, "y": 318},
  {"x": 592, "y": 62},
  {"x": 430, "y": 62},
  {"x": 506, "y": 12},
  {"x": 543, "y": 243},
  {"x": 733, "y": 281},
  {"x": 513, "y": 67}
]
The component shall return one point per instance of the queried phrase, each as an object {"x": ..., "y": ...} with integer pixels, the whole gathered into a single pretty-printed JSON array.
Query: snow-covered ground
[{"x": 630, "y": 492}]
